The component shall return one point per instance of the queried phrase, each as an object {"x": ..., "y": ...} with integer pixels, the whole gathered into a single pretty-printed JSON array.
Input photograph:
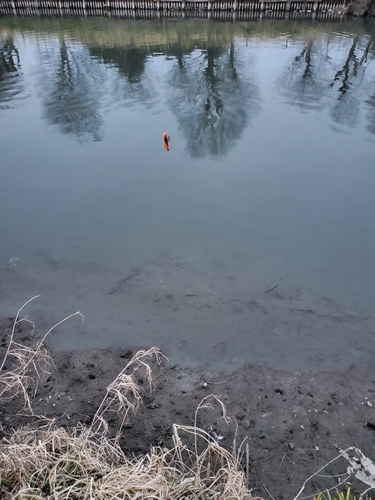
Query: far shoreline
[{"x": 210, "y": 9}]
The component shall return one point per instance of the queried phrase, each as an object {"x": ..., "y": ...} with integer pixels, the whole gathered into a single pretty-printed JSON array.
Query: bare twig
[
  {"x": 13, "y": 330},
  {"x": 273, "y": 288},
  {"x": 317, "y": 472}
]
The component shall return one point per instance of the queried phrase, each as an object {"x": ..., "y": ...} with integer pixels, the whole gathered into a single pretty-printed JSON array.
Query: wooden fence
[{"x": 148, "y": 9}]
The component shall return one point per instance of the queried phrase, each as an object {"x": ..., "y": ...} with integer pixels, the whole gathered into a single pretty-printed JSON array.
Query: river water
[{"x": 251, "y": 240}]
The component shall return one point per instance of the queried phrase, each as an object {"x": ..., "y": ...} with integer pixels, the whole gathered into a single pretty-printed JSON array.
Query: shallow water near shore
[{"x": 251, "y": 240}]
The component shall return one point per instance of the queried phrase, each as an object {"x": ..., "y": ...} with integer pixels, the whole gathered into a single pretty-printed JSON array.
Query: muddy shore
[{"x": 293, "y": 422}]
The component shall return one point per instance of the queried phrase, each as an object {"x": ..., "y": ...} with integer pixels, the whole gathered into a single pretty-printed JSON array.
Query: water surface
[{"x": 252, "y": 239}]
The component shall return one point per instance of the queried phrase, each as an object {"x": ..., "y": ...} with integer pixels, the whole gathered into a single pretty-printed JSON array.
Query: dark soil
[{"x": 292, "y": 422}]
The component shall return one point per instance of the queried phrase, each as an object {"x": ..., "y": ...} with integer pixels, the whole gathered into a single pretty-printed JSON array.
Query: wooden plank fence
[{"x": 149, "y": 9}]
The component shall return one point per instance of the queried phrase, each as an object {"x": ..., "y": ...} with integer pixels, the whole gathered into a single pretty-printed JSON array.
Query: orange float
[{"x": 166, "y": 140}]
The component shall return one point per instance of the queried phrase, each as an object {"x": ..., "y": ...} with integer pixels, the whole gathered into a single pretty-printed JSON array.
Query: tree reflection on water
[
  {"x": 371, "y": 115},
  {"x": 331, "y": 76},
  {"x": 70, "y": 94},
  {"x": 302, "y": 82},
  {"x": 10, "y": 66},
  {"x": 209, "y": 83},
  {"x": 346, "y": 105},
  {"x": 213, "y": 102},
  {"x": 131, "y": 63}
]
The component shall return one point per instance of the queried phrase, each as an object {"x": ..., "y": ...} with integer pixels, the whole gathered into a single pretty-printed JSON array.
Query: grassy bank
[{"x": 44, "y": 460}]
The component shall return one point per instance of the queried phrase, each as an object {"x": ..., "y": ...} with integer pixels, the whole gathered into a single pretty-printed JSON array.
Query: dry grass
[
  {"x": 123, "y": 394},
  {"x": 27, "y": 364},
  {"x": 62, "y": 464},
  {"x": 83, "y": 463}
]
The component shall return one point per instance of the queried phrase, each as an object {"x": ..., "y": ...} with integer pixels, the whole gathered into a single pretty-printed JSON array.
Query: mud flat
[{"x": 293, "y": 423}]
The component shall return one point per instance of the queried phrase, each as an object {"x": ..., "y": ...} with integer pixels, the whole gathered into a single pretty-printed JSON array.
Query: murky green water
[{"x": 269, "y": 182}]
